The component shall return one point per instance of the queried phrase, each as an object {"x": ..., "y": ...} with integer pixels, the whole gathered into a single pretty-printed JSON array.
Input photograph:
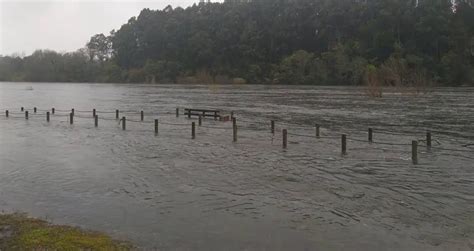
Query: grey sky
[{"x": 65, "y": 25}]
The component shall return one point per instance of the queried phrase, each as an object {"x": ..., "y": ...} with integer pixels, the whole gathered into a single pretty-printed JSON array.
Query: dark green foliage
[{"x": 322, "y": 42}]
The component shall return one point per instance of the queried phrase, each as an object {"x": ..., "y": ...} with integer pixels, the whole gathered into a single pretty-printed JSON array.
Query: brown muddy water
[{"x": 170, "y": 192}]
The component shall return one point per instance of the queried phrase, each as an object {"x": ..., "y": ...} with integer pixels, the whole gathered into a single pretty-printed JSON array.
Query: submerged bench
[{"x": 202, "y": 112}]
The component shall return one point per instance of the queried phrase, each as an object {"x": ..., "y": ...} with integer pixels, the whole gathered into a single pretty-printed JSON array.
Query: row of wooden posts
[{"x": 234, "y": 129}]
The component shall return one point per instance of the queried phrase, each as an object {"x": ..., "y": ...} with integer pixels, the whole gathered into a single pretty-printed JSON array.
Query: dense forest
[{"x": 318, "y": 42}]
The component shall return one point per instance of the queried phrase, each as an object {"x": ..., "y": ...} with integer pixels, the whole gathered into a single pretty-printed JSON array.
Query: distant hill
[{"x": 323, "y": 42}]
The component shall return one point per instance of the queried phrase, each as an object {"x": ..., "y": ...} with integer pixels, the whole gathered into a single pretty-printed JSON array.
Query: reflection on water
[{"x": 172, "y": 192}]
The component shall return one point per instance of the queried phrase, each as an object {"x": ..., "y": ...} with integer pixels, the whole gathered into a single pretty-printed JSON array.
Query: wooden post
[
  {"x": 26, "y": 114},
  {"x": 428, "y": 140},
  {"x": 142, "y": 116},
  {"x": 71, "y": 118},
  {"x": 231, "y": 115},
  {"x": 72, "y": 111},
  {"x": 96, "y": 120},
  {"x": 47, "y": 116},
  {"x": 371, "y": 138},
  {"x": 53, "y": 110},
  {"x": 189, "y": 114},
  {"x": 234, "y": 129},
  {"x": 414, "y": 152},
  {"x": 177, "y": 112},
  {"x": 156, "y": 126},
  {"x": 22, "y": 109},
  {"x": 273, "y": 126},
  {"x": 6, "y": 113},
  {"x": 285, "y": 138},
  {"x": 317, "y": 130},
  {"x": 94, "y": 112},
  {"x": 34, "y": 109},
  {"x": 117, "y": 114},
  {"x": 193, "y": 130},
  {"x": 200, "y": 120},
  {"x": 124, "y": 123},
  {"x": 344, "y": 144}
]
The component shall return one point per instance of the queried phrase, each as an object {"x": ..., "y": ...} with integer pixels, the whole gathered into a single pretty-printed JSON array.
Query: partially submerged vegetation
[{"x": 19, "y": 232}]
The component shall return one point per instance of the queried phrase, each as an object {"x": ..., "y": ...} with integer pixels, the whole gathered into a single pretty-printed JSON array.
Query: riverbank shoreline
[{"x": 19, "y": 231}]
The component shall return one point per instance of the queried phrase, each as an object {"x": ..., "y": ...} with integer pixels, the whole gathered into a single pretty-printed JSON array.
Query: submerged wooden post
[
  {"x": 34, "y": 109},
  {"x": 193, "y": 130},
  {"x": 142, "y": 116},
  {"x": 189, "y": 114},
  {"x": 53, "y": 110},
  {"x": 94, "y": 112},
  {"x": 71, "y": 118},
  {"x": 156, "y": 126},
  {"x": 117, "y": 114},
  {"x": 234, "y": 129},
  {"x": 200, "y": 120},
  {"x": 317, "y": 130},
  {"x": 6, "y": 113},
  {"x": 414, "y": 152},
  {"x": 285, "y": 138},
  {"x": 72, "y": 111},
  {"x": 344, "y": 144},
  {"x": 273, "y": 126},
  {"x": 428, "y": 140},
  {"x": 371, "y": 138},
  {"x": 177, "y": 112},
  {"x": 26, "y": 114},
  {"x": 22, "y": 109},
  {"x": 47, "y": 116},
  {"x": 96, "y": 120},
  {"x": 124, "y": 123}
]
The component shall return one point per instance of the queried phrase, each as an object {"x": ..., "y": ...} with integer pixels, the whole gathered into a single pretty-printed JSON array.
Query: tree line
[{"x": 318, "y": 42}]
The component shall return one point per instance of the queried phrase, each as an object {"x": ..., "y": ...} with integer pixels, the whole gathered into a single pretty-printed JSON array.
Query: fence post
[
  {"x": 124, "y": 123},
  {"x": 156, "y": 127},
  {"x": 72, "y": 111},
  {"x": 22, "y": 109},
  {"x": 285, "y": 138},
  {"x": 371, "y": 138},
  {"x": 200, "y": 120},
  {"x": 232, "y": 114},
  {"x": 96, "y": 120},
  {"x": 117, "y": 114},
  {"x": 414, "y": 152},
  {"x": 142, "y": 115},
  {"x": 71, "y": 118},
  {"x": 193, "y": 130},
  {"x": 344, "y": 144},
  {"x": 53, "y": 110},
  {"x": 177, "y": 112},
  {"x": 34, "y": 109},
  {"x": 6, "y": 113},
  {"x": 234, "y": 129},
  {"x": 428, "y": 140},
  {"x": 273, "y": 126},
  {"x": 47, "y": 116},
  {"x": 26, "y": 114},
  {"x": 317, "y": 130},
  {"x": 94, "y": 112}
]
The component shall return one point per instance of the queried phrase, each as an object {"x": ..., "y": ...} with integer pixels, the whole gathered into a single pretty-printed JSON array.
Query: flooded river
[{"x": 170, "y": 192}]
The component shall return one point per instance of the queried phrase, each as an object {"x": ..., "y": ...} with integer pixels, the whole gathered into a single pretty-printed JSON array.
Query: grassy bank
[{"x": 19, "y": 232}]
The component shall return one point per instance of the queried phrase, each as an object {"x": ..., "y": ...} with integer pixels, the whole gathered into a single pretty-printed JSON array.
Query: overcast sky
[{"x": 65, "y": 25}]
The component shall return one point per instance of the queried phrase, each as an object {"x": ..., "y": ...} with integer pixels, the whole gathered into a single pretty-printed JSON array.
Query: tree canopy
[{"x": 320, "y": 42}]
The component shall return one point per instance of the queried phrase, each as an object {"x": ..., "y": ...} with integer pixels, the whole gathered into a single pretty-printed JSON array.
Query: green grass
[{"x": 19, "y": 232}]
